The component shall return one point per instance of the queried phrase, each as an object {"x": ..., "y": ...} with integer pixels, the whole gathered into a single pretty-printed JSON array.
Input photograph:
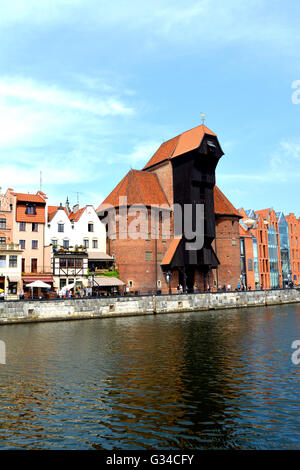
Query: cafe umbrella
[{"x": 38, "y": 284}]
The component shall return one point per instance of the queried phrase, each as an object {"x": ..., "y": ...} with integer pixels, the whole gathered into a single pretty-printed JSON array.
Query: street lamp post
[{"x": 168, "y": 275}]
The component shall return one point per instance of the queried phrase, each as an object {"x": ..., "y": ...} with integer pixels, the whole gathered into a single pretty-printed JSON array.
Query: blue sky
[{"x": 91, "y": 88}]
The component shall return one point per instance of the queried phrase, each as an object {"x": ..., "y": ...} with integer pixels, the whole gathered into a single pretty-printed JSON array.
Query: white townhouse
[
  {"x": 79, "y": 227},
  {"x": 69, "y": 230}
]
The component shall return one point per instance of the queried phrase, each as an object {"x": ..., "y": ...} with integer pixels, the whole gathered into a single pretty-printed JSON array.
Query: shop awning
[
  {"x": 106, "y": 281},
  {"x": 14, "y": 278},
  {"x": 99, "y": 256},
  {"x": 43, "y": 278}
]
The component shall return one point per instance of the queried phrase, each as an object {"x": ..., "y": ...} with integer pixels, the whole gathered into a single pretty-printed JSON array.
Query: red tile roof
[
  {"x": 52, "y": 211},
  {"x": 23, "y": 197},
  {"x": 38, "y": 218},
  {"x": 140, "y": 188},
  {"x": 263, "y": 212},
  {"x": 243, "y": 232},
  {"x": 222, "y": 205},
  {"x": 171, "y": 251},
  {"x": 179, "y": 145},
  {"x": 75, "y": 216}
]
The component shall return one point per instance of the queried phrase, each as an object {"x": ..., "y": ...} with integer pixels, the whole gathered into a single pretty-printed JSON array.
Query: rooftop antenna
[{"x": 202, "y": 117}]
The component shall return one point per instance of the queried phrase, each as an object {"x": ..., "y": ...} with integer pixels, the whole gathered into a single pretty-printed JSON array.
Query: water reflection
[{"x": 208, "y": 380}]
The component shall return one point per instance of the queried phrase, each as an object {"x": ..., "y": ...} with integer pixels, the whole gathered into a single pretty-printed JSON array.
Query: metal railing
[{"x": 138, "y": 294}]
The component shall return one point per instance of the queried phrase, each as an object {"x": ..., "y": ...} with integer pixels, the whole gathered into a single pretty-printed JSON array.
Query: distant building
[
  {"x": 294, "y": 242},
  {"x": 10, "y": 270},
  {"x": 249, "y": 254},
  {"x": 6, "y": 218},
  {"x": 264, "y": 233},
  {"x": 284, "y": 248}
]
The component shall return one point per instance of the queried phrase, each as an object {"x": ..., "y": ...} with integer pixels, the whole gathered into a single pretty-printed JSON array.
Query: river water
[{"x": 207, "y": 380}]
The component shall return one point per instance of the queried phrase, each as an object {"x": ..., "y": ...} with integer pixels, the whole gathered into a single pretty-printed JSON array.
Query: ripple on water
[{"x": 207, "y": 380}]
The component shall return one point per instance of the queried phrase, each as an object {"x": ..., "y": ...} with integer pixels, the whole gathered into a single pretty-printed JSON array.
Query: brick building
[
  {"x": 6, "y": 218},
  {"x": 182, "y": 171},
  {"x": 294, "y": 241},
  {"x": 260, "y": 237}
]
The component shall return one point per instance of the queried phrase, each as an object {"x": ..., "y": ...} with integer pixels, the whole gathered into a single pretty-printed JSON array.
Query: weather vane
[{"x": 202, "y": 117}]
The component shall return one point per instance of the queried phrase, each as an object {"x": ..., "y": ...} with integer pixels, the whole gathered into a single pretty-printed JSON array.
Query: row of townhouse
[
  {"x": 270, "y": 249},
  {"x": 53, "y": 244}
]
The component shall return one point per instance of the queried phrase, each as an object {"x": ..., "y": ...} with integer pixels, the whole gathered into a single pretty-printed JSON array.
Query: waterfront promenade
[{"x": 103, "y": 307}]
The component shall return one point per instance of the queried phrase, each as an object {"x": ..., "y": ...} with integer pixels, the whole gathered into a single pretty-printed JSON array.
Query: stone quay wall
[{"x": 104, "y": 307}]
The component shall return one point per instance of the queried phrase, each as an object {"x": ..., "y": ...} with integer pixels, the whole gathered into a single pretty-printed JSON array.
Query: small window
[
  {"x": 148, "y": 255},
  {"x": 22, "y": 226},
  {"x": 34, "y": 244},
  {"x": 159, "y": 257},
  {"x": 13, "y": 261},
  {"x": 66, "y": 244},
  {"x": 22, "y": 244},
  {"x": 90, "y": 227},
  {"x": 60, "y": 227},
  {"x": 130, "y": 283},
  {"x": 54, "y": 242},
  {"x": 2, "y": 240},
  {"x": 159, "y": 283},
  {"x": 35, "y": 227},
  {"x": 30, "y": 210},
  {"x": 86, "y": 243},
  {"x": 95, "y": 243},
  {"x": 2, "y": 261},
  {"x": 2, "y": 223}
]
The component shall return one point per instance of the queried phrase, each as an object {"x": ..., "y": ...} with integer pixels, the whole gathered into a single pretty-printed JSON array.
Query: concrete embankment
[{"x": 72, "y": 309}]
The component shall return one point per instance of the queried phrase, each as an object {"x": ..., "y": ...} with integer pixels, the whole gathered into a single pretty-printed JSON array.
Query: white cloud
[
  {"x": 213, "y": 22},
  {"x": 63, "y": 133},
  {"x": 142, "y": 152},
  {"x": 283, "y": 165},
  {"x": 27, "y": 90}
]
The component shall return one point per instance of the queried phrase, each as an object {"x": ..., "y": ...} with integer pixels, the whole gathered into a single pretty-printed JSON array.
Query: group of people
[
  {"x": 79, "y": 293},
  {"x": 224, "y": 288}
]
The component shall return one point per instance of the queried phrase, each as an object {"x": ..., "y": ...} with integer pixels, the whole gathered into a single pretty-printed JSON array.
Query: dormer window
[
  {"x": 30, "y": 210},
  {"x": 211, "y": 147}
]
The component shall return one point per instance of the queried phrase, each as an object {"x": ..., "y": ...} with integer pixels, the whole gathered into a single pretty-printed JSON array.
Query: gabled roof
[
  {"x": 263, "y": 212},
  {"x": 222, "y": 205},
  {"x": 138, "y": 187},
  {"x": 23, "y": 197},
  {"x": 52, "y": 211},
  {"x": 183, "y": 143},
  {"x": 75, "y": 216},
  {"x": 171, "y": 251},
  {"x": 38, "y": 217}
]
